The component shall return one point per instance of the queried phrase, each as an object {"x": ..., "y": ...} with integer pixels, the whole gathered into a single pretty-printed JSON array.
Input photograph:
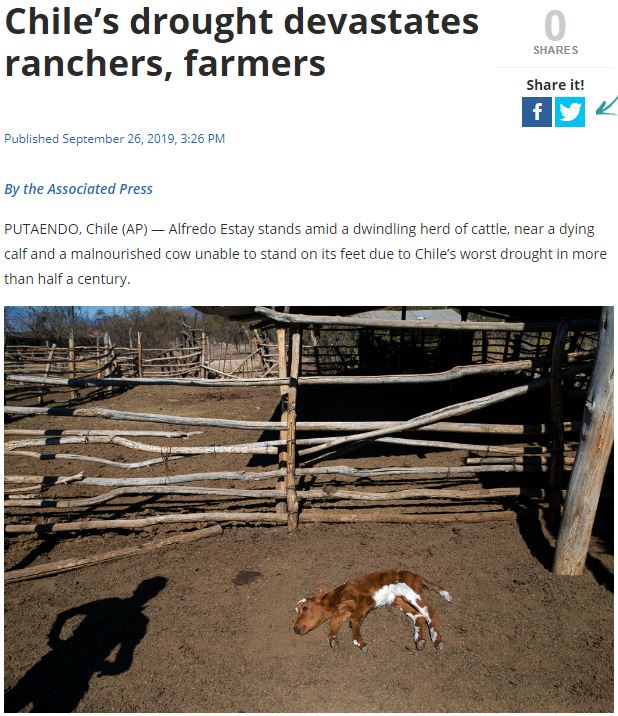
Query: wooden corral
[
  {"x": 459, "y": 367},
  {"x": 201, "y": 359}
]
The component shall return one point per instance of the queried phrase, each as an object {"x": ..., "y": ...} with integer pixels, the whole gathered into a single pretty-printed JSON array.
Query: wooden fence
[
  {"x": 298, "y": 486},
  {"x": 206, "y": 358}
]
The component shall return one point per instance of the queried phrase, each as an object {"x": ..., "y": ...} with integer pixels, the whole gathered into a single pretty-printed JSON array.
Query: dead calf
[{"x": 353, "y": 600}]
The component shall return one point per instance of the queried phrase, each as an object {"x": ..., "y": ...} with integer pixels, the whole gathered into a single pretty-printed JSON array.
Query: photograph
[{"x": 207, "y": 507}]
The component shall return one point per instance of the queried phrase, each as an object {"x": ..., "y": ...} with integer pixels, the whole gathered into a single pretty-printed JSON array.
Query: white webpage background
[{"x": 405, "y": 129}]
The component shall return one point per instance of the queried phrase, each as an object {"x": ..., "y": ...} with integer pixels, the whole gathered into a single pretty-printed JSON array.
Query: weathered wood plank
[
  {"x": 596, "y": 442},
  {"x": 301, "y": 426}
]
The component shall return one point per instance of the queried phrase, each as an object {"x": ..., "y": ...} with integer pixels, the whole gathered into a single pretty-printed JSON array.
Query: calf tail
[{"x": 435, "y": 588}]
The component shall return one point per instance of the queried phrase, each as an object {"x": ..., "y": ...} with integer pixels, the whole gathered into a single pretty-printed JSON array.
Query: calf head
[{"x": 311, "y": 612}]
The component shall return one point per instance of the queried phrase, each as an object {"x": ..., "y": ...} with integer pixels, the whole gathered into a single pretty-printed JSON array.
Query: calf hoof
[
  {"x": 334, "y": 643},
  {"x": 420, "y": 644}
]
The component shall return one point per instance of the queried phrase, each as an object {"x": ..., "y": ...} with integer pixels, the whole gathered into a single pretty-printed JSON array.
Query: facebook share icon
[{"x": 536, "y": 112}]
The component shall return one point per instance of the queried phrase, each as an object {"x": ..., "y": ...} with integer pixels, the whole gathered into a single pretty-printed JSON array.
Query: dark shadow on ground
[
  {"x": 59, "y": 681},
  {"x": 531, "y": 517},
  {"x": 43, "y": 547}
]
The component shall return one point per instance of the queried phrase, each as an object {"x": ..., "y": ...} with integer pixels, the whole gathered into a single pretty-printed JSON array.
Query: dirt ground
[{"x": 207, "y": 626}]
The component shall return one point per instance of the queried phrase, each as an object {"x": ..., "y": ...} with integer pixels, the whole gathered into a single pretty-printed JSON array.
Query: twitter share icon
[{"x": 570, "y": 112}]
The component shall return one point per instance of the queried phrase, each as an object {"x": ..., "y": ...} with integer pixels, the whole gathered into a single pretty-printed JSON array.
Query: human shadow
[{"x": 59, "y": 681}]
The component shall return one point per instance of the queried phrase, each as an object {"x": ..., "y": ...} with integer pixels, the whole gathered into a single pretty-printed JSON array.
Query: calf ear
[{"x": 319, "y": 592}]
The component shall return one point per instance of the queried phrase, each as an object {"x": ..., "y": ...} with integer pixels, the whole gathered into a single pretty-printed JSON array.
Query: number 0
[{"x": 549, "y": 25}]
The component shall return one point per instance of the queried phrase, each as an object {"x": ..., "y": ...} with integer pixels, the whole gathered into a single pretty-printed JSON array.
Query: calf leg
[
  {"x": 420, "y": 632},
  {"x": 432, "y": 619},
  {"x": 357, "y": 637},
  {"x": 434, "y": 628},
  {"x": 335, "y": 624}
]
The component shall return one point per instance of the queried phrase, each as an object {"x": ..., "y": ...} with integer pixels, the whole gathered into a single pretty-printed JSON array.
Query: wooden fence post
[
  {"x": 290, "y": 477},
  {"x": 204, "y": 355},
  {"x": 557, "y": 418},
  {"x": 281, "y": 505},
  {"x": 110, "y": 358},
  {"x": 48, "y": 367},
  {"x": 402, "y": 334},
  {"x": 72, "y": 365},
  {"x": 596, "y": 440},
  {"x": 99, "y": 357},
  {"x": 257, "y": 342},
  {"x": 140, "y": 356}
]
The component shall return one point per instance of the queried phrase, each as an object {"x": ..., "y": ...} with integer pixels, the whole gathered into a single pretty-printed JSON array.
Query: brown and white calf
[{"x": 355, "y": 599}]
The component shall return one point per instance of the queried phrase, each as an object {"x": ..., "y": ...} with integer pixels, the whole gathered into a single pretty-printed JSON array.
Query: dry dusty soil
[{"x": 207, "y": 626}]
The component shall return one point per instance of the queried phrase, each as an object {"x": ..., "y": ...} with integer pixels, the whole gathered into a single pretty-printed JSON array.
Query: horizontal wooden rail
[
  {"x": 166, "y": 350},
  {"x": 244, "y": 476},
  {"x": 266, "y": 447},
  {"x": 302, "y": 426},
  {"x": 186, "y": 373},
  {"x": 274, "y": 494},
  {"x": 173, "y": 359},
  {"x": 50, "y": 433},
  {"x": 116, "y": 439},
  {"x": 127, "y": 382},
  {"x": 46, "y": 456},
  {"x": 439, "y": 377},
  {"x": 337, "y": 516},
  {"x": 309, "y": 516},
  {"x": 140, "y": 522},
  {"x": 57, "y": 358},
  {"x": 80, "y": 503},
  {"x": 456, "y": 373}
]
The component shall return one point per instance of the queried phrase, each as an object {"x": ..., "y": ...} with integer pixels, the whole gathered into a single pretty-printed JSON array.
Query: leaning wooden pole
[
  {"x": 290, "y": 477},
  {"x": 596, "y": 441},
  {"x": 437, "y": 415},
  {"x": 52, "y": 568}
]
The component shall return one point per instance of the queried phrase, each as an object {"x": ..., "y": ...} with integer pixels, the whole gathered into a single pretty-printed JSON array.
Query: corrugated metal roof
[
  {"x": 247, "y": 313},
  {"x": 427, "y": 314},
  {"x": 512, "y": 313}
]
